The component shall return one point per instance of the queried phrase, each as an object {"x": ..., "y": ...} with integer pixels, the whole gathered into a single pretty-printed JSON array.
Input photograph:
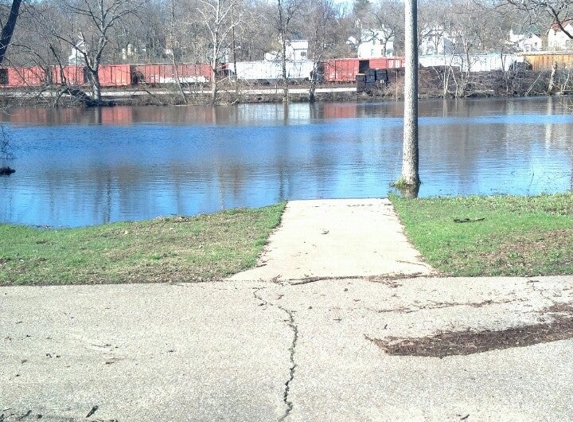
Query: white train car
[
  {"x": 266, "y": 70},
  {"x": 473, "y": 62}
]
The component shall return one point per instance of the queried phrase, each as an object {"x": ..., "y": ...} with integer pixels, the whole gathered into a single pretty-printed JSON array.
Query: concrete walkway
[
  {"x": 337, "y": 238},
  {"x": 306, "y": 345}
]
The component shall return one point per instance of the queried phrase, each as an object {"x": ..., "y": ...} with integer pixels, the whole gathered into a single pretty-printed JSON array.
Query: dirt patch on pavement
[{"x": 469, "y": 342}]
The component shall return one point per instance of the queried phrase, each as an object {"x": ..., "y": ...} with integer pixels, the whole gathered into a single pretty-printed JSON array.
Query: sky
[{"x": 346, "y": 3}]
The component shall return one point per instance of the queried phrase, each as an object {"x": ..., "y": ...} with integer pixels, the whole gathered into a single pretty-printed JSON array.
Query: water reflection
[{"x": 89, "y": 166}]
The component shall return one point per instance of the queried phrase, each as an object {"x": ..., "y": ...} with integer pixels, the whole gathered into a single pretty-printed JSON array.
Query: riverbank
[
  {"x": 434, "y": 82},
  {"x": 473, "y": 236},
  {"x": 174, "y": 249}
]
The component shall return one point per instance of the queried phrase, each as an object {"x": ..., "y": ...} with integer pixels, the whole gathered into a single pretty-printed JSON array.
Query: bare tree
[
  {"x": 286, "y": 11},
  {"x": 89, "y": 31},
  {"x": 388, "y": 16},
  {"x": 559, "y": 11},
  {"x": 321, "y": 20},
  {"x": 220, "y": 18}
]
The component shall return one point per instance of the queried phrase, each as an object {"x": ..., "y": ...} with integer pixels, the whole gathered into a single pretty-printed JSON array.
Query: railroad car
[
  {"x": 22, "y": 77},
  {"x": 158, "y": 74},
  {"x": 345, "y": 70},
  {"x": 68, "y": 75},
  {"x": 270, "y": 70},
  {"x": 111, "y": 75},
  {"x": 114, "y": 75}
]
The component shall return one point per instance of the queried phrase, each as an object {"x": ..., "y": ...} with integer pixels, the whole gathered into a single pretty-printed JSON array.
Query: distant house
[
  {"x": 436, "y": 40},
  {"x": 296, "y": 50},
  {"x": 376, "y": 43},
  {"x": 78, "y": 54},
  {"x": 525, "y": 42},
  {"x": 557, "y": 39}
]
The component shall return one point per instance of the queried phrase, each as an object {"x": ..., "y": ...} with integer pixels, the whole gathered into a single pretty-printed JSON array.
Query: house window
[{"x": 303, "y": 54}]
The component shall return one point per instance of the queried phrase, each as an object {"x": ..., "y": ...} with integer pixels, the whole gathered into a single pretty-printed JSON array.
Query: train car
[
  {"x": 69, "y": 75},
  {"x": 109, "y": 75},
  {"x": 158, "y": 74},
  {"x": 115, "y": 75},
  {"x": 387, "y": 63},
  {"x": 270, "y": 70},
  {"x": 22, "y": 77},
  {"x": 345, "y": 70}
]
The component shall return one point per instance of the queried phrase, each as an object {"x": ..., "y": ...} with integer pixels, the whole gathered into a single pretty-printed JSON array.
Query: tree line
[{"x": 42, "y": 33}]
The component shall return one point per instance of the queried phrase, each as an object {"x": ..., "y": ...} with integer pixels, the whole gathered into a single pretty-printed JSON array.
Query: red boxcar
[
  {"x": 345, "y": 70},
  {"x": 109, "y": 75},
  {"x": 21, "y": 77},
  {"x": 69, "y": 75},
  {"x": 115, "y": 75},
  {"x": 387, "y": 63},
  {"x": 341, "y": 70},
  {"x": 167, "y": 73}
]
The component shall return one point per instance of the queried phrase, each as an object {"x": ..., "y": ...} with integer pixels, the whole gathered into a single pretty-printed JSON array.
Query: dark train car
[
  {"x": 22, "y": 77},
  {"x": 158, "y": 74},
  {"x": 346, "y": 70}
]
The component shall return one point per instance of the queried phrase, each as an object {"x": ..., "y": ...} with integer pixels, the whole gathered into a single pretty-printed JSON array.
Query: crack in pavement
[
  {"x": 293, "y": 365},
  {"x": 293, "y": 326}
]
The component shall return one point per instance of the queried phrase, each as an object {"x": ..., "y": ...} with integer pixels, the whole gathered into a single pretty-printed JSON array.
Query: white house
[
  {"x": 376, "y": 43},
  {"x": 77, "y": 57},
  {"x": 436, "y": 40},
  {"x": 525, "y": 42},
  {"x": 557, "y": 39},
  {"x": 296, "y": 50}
]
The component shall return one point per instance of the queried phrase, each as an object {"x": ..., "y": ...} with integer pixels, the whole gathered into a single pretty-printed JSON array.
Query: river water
[{"x": 77, "y": 167}]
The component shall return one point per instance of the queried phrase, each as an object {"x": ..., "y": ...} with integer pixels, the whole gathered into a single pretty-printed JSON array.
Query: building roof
[{"x": 566, "y": 22}]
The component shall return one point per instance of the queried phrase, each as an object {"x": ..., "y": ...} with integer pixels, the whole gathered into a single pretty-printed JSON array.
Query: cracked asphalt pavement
[{"x": 302, "y": 347}]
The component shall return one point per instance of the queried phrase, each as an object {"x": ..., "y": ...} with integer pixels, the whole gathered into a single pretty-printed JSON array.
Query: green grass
[
  {"x": 493, "y": 236},
  {"x": 175, "y": 249},
  {"x": 521, "y": 236}
]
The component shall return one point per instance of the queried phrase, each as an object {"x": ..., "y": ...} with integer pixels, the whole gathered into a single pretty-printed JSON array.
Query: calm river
[{"x": 80, "y": 167}]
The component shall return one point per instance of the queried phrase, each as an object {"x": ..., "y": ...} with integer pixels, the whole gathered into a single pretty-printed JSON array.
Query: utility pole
[{"x": 409, "y": 181}]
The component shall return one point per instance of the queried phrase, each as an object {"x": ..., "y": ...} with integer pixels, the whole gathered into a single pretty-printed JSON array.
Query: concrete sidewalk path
[
  {"x": 337, "y": 238},
  {"x": 244, "y": 351}
]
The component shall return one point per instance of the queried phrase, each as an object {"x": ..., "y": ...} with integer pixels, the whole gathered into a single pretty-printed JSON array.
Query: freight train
[
  {"x": 329, "y": 71},
  {"x": 124, "y": 75}
]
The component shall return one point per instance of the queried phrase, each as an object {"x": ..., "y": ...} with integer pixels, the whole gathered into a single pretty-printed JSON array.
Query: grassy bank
[
  {"x": 492, "y": 236},
  {"x": 177, "y": 249},
  {"x": 471, "y": 236}
]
